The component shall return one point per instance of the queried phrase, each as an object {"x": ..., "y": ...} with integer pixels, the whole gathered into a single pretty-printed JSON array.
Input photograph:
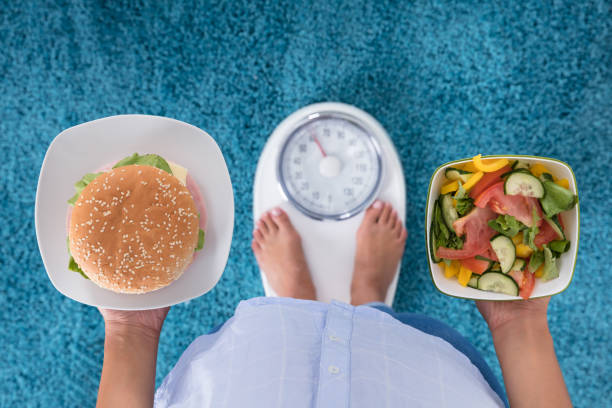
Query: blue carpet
[{"x": 446, "y": 80}]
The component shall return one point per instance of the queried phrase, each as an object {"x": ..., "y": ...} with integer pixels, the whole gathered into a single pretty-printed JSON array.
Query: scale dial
[{"x": 330, "y": 166}]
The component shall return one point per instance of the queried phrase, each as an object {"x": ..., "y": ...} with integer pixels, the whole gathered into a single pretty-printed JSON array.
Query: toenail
[
  {"x": 276, "y": 212},
  {"x": 377, "y": 204}
]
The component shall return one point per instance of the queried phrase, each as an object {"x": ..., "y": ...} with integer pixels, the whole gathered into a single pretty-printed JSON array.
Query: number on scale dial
[{"x": 330, "y": 167}]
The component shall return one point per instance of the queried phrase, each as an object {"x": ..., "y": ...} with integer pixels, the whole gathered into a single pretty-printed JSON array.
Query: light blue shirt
[{"x": 277, "y": 352}]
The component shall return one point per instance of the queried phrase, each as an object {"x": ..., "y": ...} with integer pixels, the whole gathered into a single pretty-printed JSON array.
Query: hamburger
[{"x": 135, "y": 227}]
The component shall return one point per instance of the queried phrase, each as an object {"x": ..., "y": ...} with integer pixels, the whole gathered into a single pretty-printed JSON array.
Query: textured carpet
[{"x": 447, "y": 80}]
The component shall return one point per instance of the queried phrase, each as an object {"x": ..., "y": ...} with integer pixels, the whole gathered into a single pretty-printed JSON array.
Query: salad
[{"x": 498, "y": 225}]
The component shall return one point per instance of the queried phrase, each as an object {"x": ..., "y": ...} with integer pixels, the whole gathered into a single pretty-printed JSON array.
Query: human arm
[
  {"x": 130, "y": 355},
  {"x": 526, "y": 353}
]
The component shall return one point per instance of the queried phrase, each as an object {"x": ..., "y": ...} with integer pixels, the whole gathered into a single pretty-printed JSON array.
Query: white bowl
[
  {"x": 566, "y": 262},
  {"x": 84, "y": 148}
]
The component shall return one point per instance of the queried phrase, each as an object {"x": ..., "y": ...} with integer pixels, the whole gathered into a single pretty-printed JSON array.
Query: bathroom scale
[{"x": 324, "y": 165}]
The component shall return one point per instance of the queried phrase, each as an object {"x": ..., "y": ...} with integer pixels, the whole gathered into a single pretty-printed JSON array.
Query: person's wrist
[
  {"x": 128, "y": 330},
  {"x": 520, "y": 326}
]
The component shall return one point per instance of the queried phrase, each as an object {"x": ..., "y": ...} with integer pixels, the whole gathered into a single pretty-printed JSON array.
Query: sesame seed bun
[{"x": 134, "y": 229}]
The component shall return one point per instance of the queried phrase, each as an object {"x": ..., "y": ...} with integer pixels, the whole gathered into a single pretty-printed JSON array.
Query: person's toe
[
  {"x": 269, "y": 223},
  {"x": 373, "y": 212},
  {"x": 394, "y": 220},
  {"x": 403, "y": 234},
  {"x": 261, "y": 226},
  {"x": 281, "y": 218},
  {"x": 397, "y": 229},
  {"x": 386, "y": 214},
  {"x": 255, "y": 247},
  {"x": 259, "y": 236}
]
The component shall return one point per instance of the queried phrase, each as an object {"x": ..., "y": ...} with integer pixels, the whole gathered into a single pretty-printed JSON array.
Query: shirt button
[
  {"x": 334, "y": 338},
  {"x": 333, "y": 369}
]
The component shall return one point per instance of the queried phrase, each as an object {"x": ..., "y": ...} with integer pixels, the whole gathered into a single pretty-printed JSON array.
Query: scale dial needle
[{"x": 319, "y": 144}]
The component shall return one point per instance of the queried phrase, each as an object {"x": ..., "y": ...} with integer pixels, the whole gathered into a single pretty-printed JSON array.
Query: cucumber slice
[
  {"x": 432, "y": 240},
  {"x": 546, "y": 177},
  {"x": 448, "y": 211},
  {"x": 524, "y": 171},
  {"x": 524, "y": 184},
  {"x": 518, "y": 265},
  {"x": 473, "y": 282},
  {"x": 505, "y": 250},
  {"x": 555, "y": 226},
  {"x": 453, "y": 173},
  {"x": 520, "y": 165},
  {"x": 499, "y": 283},
  {"x": 495, "y": 268}
]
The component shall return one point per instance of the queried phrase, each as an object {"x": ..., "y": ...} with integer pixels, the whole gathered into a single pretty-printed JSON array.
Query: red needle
[{"x": 320, "y": 147}]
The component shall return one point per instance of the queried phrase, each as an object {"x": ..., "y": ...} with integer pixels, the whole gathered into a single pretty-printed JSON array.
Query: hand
[
  {"x": 148, "y": 321},
  {"x": 497, "y": 314}
]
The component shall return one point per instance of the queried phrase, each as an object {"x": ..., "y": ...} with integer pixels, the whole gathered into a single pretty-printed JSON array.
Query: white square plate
[
  {"x": 566, "y": 262},
  {"x": 84, "y": 148}
]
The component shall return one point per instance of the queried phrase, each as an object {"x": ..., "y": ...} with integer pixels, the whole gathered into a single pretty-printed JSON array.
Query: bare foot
[
  {"x": 380, "y": 245},
  {"x": 278, "y": 250}
]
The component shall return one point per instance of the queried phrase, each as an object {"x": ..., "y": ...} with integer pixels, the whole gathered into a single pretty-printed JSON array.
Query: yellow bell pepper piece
[
  {"x": 539, "y": 169},
  {"x": 464, "y": 276},
  {"x": 539, "y": 272},
  {"x": 453, "y": 186},
  {"x": 469, "y": 166},
  {"x": 518, "y": 238},
  {"x": 563, "y": 183},
  {"x": 489, "y": 167},
  {"x": 474, "y": 178},
  {"x": 523, "y": 251},
  {"x": 452, "y": 269}
]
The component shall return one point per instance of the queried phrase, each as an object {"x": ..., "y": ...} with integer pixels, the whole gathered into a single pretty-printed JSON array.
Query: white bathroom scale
[{"x": 324, "y": 165}]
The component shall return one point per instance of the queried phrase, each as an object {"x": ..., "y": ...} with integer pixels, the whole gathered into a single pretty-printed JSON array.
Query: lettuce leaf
[
  {"x": 531, "y": 232},
  {"x": 550, "y": 265},
  {"x": 81, "y": 184},
  {"x": 200, "y": 240},
  {"x": 559, "y": 246},
  {"x": 464, "y": 202},
  {"x": 506, "y": 225},
  {"x": 444, "y": 236},
  {"x": 556, "y": 199},
  {"x": 72, "y": 265},
  {"x": 535, "y": 261},
  {"x": 145, "y": 160}
]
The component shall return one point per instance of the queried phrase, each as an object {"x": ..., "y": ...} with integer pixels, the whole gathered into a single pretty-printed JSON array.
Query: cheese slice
[{"x": 179, "y": 172}]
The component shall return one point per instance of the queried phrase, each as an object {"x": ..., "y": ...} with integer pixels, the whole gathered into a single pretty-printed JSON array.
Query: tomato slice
[
  {"x": 528, "y": 285},
  {"x": 546, "y": 234},
  {"x": 493, "y": 190},
  {"x": 478, "y": 266},
  {"x": 525, "y": 281},
  {"x": 490, "y": 253},
  {"x": 518, "y": 206},
  {"x": 477, "y": 234},
  {"x": 488, "y": 180}
]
